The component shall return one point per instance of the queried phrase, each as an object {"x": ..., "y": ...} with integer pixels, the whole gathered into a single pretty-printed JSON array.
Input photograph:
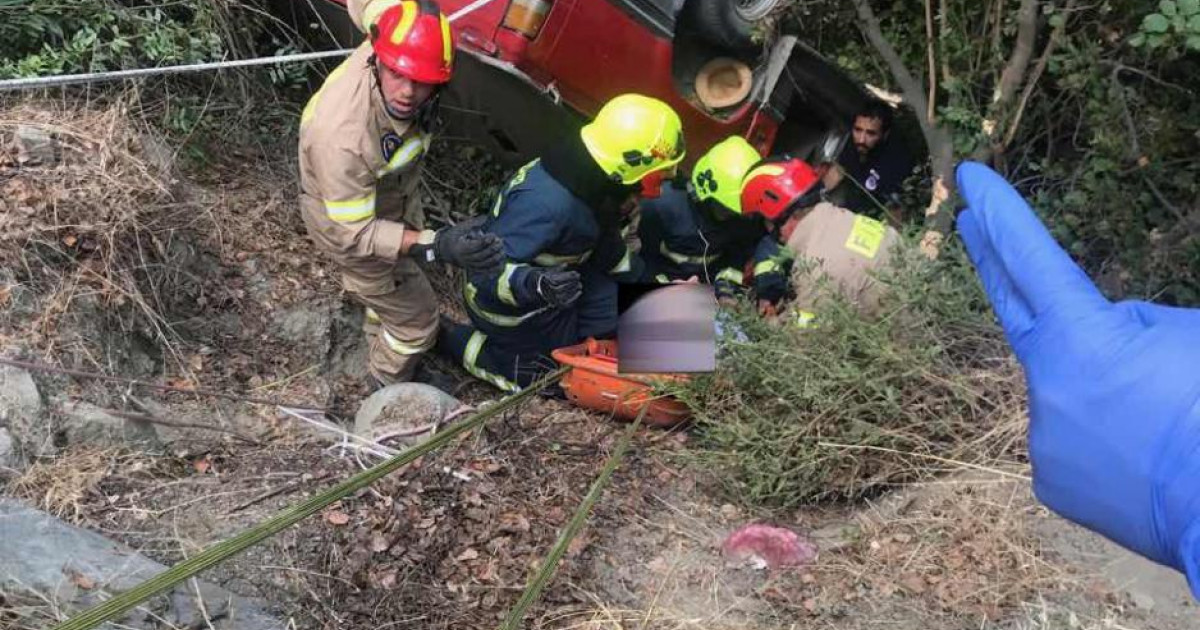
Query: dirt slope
[{"x": 119, "y": 259}]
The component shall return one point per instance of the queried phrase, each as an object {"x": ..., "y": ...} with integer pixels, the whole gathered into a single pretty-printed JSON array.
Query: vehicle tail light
[{"x": 527, "y": 16}]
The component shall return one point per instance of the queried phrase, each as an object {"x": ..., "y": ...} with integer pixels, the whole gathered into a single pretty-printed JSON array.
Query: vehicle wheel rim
[{"x": 752, "y": 10}]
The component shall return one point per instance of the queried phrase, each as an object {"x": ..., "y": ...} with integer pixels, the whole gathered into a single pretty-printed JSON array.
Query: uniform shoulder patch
[{"x": 389, "y": 144}]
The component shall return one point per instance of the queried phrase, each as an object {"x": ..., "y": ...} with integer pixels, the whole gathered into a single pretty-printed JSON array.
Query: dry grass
[
  {"x": 62, "y": 485},
  {"x": 1044, "y": 615},
  {"x": 963, "y": 546},
  {"x": 857, "y": 405},
  {"x": 23, "y": 611},
  {"x": 93, "y": 225},
  {"x": 961, "y": 552}
]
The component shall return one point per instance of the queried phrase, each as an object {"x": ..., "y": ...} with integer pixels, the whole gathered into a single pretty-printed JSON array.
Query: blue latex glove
[{"x": 1114, "y": 389}]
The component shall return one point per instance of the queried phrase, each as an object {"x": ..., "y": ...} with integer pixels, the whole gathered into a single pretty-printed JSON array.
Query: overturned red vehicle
[{"x": 536, "y": 68}]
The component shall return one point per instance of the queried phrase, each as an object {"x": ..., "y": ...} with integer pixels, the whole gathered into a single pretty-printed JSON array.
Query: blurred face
[
  {"x": 867, "y": 134},
  {"x": 402, "y": 96}
]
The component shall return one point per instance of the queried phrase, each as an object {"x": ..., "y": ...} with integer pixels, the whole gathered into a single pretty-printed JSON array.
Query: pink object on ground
[{"x": 769, "y": 547}]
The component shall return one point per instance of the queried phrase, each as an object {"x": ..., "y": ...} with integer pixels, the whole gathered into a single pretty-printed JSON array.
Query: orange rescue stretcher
[{"x": 593, "y": 383}]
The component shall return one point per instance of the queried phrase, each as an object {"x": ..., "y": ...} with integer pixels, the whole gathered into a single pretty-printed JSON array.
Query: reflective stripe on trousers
[
  {"x": 399, "y": 347},
  {"x": 471, "y": 363}
]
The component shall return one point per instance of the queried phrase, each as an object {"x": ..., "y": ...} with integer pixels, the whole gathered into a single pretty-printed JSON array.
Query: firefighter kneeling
[
  {"x": 825, "y": 240},
  {"x": 560, "y": 220}
]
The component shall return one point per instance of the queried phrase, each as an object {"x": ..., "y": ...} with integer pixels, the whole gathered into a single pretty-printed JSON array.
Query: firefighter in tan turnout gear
[{"x": 362, "y": 136}]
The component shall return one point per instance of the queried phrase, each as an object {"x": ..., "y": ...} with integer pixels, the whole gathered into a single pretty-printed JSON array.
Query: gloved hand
[
  {"x": 462, "y": 245},
  {"x": 557, "y": 286},
  {"x": 1114, "y": 389}
]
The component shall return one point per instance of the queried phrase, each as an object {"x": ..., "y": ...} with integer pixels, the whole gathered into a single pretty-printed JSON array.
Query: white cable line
[
  {"x": 114, "y": 75},
  {"x": 467, "y": 9},
  {"x": 95, "y": 77},
  {"x": 364, "y": 443}
]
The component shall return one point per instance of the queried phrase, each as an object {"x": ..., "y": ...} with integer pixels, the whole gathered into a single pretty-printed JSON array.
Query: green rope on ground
[
  {"x": 534, "y": 589},
  {"x": 225, "y": 549}
]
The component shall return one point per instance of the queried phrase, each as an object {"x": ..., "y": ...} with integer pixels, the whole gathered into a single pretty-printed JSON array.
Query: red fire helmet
[
  {"x": 413, "y": 39},
  {"x": 774, "y": 187}
]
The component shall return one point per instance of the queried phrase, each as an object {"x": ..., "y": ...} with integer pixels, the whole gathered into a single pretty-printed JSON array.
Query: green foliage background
[
  {"x": 42, "y": 37},
  {"x": 1107, "y": 146},
  {"x": 51, "y": 37}
]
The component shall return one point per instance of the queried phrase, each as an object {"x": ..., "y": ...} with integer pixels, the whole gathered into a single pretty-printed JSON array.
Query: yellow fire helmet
[
  {"x": 633, "y": 136},
  {"x": 718, "y": 174}
]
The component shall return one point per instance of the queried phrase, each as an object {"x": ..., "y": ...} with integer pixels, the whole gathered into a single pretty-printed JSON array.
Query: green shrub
[
  {"x": 841, "y": 410},
  {"x": 94, "y": 35},
  {"x": 39, "y": 38}
]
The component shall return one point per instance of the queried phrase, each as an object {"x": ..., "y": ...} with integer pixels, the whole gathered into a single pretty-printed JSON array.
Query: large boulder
[
  {"x": 76, "y": 568},
  {"x": 404, "y": 408}
]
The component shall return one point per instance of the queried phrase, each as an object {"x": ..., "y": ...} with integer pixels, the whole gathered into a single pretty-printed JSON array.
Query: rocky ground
[{"x": 119, "y": 261}]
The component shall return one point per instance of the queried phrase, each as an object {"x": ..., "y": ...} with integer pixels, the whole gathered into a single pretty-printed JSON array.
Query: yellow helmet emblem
[
  {"x": 407, "y": 18},
  {"x": 718, "y": 174},
  {"x": 633, "y": 136}
]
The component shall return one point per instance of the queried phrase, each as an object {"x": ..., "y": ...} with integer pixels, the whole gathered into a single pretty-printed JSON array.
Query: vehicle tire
[{"x": 729, "y": 23}]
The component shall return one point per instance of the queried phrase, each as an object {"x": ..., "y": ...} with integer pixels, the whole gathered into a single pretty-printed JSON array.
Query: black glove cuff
[{"x": 425, "y": 249}]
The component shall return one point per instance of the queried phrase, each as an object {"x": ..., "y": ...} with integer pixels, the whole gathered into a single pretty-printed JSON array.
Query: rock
[
  {"x": 403, "y": 407},
  {"x": 35, "y": 146},
  {"x": 88, "y": 424},
  {"x": 1142, "y": 600},
  {"x": 158, "y": 155},
  {"x": 836, "y": 536},
  {"x": 76, "y": 568},
  {"x": 8, "y": 456},
  {"x": 308, "y": 325},
  {"x": 348, "y": 345},
  {"x": 16, "y": 299},
  {"x": 21, "y": 412}
]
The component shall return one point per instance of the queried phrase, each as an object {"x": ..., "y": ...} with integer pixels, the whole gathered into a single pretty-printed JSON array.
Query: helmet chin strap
[{"x": 426, "y": 113}]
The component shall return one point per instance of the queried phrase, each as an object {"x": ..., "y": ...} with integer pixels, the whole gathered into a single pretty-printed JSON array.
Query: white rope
[
  {"x": 115, "y": 75},
  {"x": 363, "y": 443},
  {"x": 467, "y": 9}
]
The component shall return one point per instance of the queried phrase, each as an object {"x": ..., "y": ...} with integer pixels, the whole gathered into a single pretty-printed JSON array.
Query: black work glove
[
  {"x": 462, "y": 245},
  {"x": 557, "y": 286}
]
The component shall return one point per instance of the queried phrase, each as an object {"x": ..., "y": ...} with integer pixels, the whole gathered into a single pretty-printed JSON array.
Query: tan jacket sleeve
[
  {"x": 346, "y": 188},
  {"x": 364, "y": 13}
]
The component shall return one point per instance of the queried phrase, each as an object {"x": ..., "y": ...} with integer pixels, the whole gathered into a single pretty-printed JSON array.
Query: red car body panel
[{"x": 590, "y": 51}]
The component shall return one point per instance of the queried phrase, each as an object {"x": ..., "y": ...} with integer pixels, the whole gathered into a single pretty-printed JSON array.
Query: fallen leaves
[
  {"x": 337, "y": 517},
  {"x": 203, "y": 465},
  {"x": 514, "y": 522},
  {"x": 79, "y": 579},
  {"x": 379, "y": 543}
]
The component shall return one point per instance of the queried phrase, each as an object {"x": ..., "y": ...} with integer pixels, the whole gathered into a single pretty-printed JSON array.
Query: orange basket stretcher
[{"x": 593, "y": 383}]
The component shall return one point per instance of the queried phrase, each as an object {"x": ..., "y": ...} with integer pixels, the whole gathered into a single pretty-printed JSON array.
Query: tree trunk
[
  {"x": 938, "y": 214},
  {"x": 1011, "y": 79}
]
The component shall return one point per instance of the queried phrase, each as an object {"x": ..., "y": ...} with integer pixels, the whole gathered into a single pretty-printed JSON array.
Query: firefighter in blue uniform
[
  {"x": 698, "y": 230},
  {"x": 560, "y": 220}
]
